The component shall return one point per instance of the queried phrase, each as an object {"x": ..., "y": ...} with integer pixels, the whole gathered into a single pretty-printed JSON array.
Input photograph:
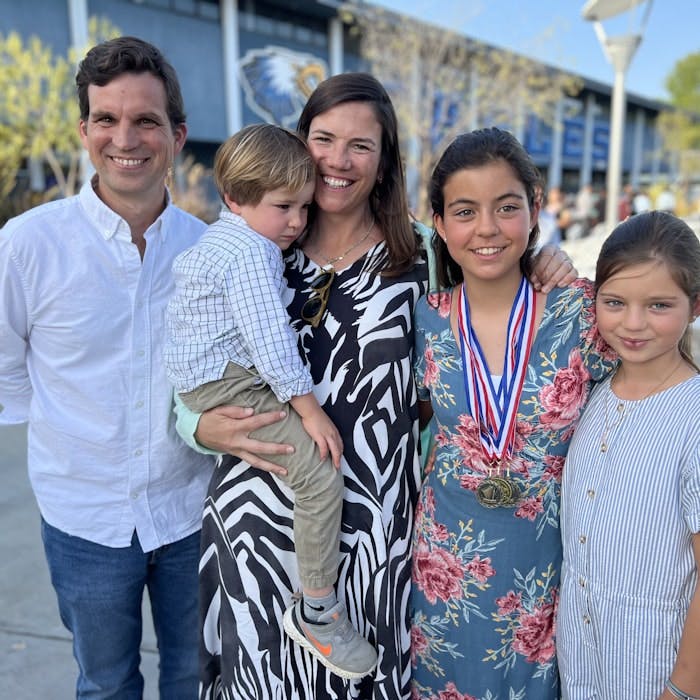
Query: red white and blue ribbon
[{"x": 494, "y": 408}]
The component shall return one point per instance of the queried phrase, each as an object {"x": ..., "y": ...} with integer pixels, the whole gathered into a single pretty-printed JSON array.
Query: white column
[
  {"x": 336, "y": 46},
  {"x": 586, "y": 172},
  {"x": 520, "y": 121},
  {"x": 78, "y": 28},
  {"x": 657, "y": 153},
  {"x": 231, "y": 54},
  {"x": 78, "y": 23},
  {"x": 619, "y": 51},
  {"x": 473, "y": 98},
  {"x": 637, "y": 148},
  {"x": 555, "y": 162},
  {"x": 413, "y": 175}
]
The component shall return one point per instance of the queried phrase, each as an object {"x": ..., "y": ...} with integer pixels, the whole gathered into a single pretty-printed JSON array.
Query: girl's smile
[
  {"x": 487, "y": 221},
  {"x": 642, "y": 314}
]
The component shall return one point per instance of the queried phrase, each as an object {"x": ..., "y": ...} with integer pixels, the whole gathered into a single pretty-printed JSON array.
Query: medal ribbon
[{"x": 494, "y": 408}]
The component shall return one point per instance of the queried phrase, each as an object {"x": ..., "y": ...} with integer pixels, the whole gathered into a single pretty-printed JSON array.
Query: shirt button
[
  {"x": 138, "y": 404},
  {"x": 138, "y": 453},
  {"x": 586, "y": 620},
  {"x": 582, "y": 539},
  {"x": 591, "y": 493},
  {"x": 140, "y": 353},
  {"x": 134, "y": 495},
  {"x": 582, "y": 582}
]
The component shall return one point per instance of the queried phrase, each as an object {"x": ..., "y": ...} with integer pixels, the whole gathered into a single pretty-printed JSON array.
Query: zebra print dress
[{"x": 361, "y": 363}]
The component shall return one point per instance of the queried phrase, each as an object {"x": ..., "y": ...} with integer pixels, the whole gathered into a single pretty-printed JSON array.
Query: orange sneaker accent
[{"x": 325, "y": 649}]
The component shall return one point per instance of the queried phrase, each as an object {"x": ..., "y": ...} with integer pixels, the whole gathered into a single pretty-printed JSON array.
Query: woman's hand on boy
[{"x": 227, "y": 429}]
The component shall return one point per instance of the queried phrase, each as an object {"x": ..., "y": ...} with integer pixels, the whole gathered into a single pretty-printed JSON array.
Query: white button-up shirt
[{"x": 81, "y": 358}]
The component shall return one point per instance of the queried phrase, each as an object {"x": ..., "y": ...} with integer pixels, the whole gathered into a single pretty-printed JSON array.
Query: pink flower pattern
[
  {"x": 438, "y": 574},
  {"x": 563, "y": 399},
  {"x": 441, "y": 301},
  {"x": 485, "y": 580}
]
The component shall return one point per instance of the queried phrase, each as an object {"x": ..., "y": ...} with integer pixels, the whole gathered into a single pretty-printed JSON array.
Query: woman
[{"x": 355, "y": 326}]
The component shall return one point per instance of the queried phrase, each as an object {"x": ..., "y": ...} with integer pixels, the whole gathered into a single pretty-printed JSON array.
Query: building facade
[{"x": 242, "y": 61}]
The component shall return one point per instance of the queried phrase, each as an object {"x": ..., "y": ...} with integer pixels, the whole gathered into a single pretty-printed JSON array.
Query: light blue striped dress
[{"x": 627, "y": 520}]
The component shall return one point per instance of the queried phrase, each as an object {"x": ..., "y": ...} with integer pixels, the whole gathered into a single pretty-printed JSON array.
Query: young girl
[
  {"x": 629, "y": 619},
  {"x": 505, "y": 372}
]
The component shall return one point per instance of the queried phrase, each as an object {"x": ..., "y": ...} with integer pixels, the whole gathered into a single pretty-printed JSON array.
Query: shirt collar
[{"x": 107, "y": 221}]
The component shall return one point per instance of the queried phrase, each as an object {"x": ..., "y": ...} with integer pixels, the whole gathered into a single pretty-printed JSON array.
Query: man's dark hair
[{"x": 127, "y": 54}]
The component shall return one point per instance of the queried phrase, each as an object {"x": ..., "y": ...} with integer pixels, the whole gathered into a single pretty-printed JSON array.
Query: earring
[{"x": 380, "y": 179}]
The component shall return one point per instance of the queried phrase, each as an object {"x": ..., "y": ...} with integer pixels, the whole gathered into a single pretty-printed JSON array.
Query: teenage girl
[
  {"x": 504, "y": 372},
  {"x": 629, "y": 617}
]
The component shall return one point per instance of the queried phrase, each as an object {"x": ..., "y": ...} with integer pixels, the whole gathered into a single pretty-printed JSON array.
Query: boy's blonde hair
[{"x": 260, "y": 158}]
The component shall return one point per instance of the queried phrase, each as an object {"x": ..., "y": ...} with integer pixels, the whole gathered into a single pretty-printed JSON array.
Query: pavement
[{"x": 36, "y": 659}]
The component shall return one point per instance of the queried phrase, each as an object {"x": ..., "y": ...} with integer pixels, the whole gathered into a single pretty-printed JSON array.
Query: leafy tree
[
  {"x": 443, "y": 83},
  {"x": 680, "y": 126},
  {"x": 683, "y": 84},
  {"x": 38, "y": 108}
]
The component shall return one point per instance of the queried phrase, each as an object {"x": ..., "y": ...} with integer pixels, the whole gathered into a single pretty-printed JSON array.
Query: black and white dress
[{"x": 361, "y": 362}]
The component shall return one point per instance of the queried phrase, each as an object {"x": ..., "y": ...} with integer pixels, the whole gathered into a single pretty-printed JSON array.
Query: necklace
[
  {"x": 623, "y": 411},
  {"x": 365, "y": 236}
]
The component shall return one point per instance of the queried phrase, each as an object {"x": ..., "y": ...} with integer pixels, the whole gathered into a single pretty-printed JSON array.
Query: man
[{"x": 85, "y": 282}]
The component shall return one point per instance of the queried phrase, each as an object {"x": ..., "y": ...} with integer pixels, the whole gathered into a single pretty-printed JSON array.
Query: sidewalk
[{"x": 36, "y": 659}]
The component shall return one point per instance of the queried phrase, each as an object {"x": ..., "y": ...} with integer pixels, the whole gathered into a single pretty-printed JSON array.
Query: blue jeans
[{"x": 100, "y": 590}]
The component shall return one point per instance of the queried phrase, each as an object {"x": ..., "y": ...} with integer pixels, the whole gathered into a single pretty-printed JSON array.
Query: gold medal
[{"x": 498, "y": 492}]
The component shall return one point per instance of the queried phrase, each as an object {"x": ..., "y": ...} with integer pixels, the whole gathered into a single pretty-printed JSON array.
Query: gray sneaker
[{"x": 335, "y": 642}]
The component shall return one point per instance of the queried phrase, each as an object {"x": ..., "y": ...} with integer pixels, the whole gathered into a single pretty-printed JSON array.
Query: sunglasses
[{"x": 315, "y": 306}]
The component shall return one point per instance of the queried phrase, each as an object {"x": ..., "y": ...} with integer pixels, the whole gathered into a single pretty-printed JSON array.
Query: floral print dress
[{"x": 486, "y": 580}]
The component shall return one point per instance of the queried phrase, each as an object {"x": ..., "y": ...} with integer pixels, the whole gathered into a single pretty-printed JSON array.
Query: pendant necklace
[
  {"x": 494, "y": 408},
  {"x": 623, "y": 411},
  {"x": 365, "y": 236}
]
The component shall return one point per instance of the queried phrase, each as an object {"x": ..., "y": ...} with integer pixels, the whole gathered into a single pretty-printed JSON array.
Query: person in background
[
  {"x": 666, "y": 200},
  {"x": 625, "y": 206},
  {"x": 629, "y": 614},
  {"x": 85, "y": 282},
  {"x": 503, "y": 372},
  {"x": 641, "y": 202},
  {"x": 550, "y": 218}
]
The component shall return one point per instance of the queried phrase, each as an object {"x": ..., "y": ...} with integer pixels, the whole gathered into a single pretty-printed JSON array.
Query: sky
[{"x": 554, "y": 32}]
